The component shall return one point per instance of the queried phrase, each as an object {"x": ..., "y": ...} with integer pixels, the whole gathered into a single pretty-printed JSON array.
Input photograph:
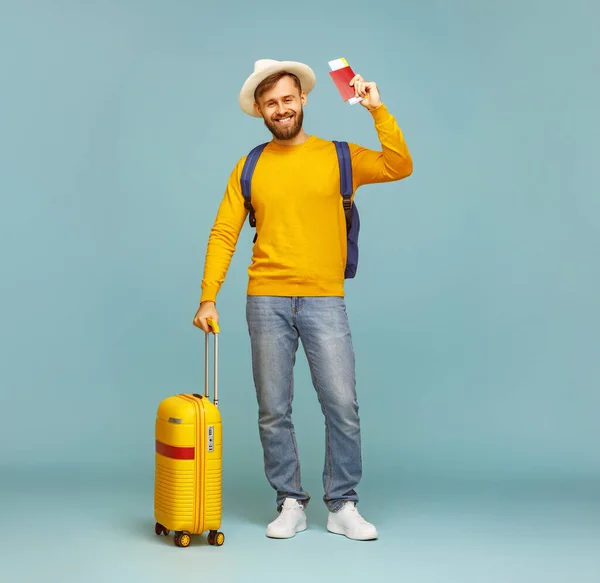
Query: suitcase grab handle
[{"x": 216, "y": 330}]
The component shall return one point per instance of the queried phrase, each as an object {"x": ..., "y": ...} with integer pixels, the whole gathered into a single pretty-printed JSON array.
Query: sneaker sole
[
  {"x": 300, "y": 528},
  {"x": 335, "y": 529}
]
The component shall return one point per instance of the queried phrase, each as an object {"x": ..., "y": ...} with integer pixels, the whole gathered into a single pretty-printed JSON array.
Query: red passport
[{"x": 341, "y": 78}]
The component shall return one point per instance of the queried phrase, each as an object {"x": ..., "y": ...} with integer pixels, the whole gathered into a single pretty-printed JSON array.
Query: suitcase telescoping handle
[{"x": 216, "y": 330}]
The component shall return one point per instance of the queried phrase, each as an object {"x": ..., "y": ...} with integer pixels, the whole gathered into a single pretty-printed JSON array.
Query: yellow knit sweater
[{"x": 301, "y": 245}]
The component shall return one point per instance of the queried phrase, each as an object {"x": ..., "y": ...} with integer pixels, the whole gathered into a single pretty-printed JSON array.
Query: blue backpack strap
[
  {"x": 350, "y": 210},
  {"x": 346, "y": 190},
  {"x": 246, "y": 179}
]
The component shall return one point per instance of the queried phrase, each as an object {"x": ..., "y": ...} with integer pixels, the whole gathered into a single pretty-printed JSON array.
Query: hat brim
[{"x": 306, "y": 75}]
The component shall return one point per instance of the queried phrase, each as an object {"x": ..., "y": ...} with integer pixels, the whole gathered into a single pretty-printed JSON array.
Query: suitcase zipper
[{"x": 199, "y": 462}]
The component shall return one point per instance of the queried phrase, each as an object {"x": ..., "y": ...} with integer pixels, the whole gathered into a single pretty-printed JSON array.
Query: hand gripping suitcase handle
[{"x": 216, "y": 330}]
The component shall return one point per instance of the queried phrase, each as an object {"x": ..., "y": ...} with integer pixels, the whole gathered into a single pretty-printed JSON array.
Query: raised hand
[{"x": 368, "y": 90}]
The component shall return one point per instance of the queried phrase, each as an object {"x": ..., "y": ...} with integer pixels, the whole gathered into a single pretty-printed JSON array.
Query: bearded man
[{"x": 295, "y": 291}]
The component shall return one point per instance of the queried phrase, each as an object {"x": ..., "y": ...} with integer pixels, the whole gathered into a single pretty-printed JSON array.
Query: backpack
[{"x": 346, "y": 190}]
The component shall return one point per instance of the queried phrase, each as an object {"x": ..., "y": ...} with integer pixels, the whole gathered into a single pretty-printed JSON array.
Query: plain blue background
[{"x": 475, "y": 312}]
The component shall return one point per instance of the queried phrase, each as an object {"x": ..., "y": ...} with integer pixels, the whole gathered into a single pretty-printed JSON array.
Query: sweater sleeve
[
  {"x": 223, "y": 236},
  {"x": 393, "y": 162}
]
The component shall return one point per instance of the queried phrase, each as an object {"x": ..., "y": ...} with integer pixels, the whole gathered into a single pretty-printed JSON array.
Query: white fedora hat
[{"x": 265, "y": 67}]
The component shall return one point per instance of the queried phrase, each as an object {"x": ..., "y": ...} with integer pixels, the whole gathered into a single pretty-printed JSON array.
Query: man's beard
[{"x": 286, "y": 133}]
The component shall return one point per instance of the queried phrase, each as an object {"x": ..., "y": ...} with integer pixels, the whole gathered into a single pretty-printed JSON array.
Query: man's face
[{"x": 281, "y": 108}]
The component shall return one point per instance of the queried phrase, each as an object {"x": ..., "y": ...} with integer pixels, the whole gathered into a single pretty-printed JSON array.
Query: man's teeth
[{"x": 284, "y": 119}]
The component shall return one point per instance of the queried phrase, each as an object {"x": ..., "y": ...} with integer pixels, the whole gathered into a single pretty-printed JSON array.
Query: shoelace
[{"x": 359, "y": 518}]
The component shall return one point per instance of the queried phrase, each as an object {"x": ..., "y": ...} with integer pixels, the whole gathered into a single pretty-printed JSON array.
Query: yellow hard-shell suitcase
[{"x": 188, "y": 462}]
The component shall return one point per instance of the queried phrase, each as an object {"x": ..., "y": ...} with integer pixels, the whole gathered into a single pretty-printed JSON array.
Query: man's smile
[{"x": 284, "y": 120}]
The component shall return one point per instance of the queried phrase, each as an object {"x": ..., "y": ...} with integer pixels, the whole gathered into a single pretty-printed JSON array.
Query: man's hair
[{"x": 272, "y": 80}]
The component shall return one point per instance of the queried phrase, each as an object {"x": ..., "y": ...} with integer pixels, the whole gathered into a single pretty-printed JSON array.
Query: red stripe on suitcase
[{"x": 175, "y": 452}]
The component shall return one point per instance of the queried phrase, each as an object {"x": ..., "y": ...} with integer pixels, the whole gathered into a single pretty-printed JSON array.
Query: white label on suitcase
[{"x": 211, "y": 438}]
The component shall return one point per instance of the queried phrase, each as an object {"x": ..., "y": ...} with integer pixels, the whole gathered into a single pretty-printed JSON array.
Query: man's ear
[
  {"x": 303, "y": 98},
  {"x": 257, "y": 109}
]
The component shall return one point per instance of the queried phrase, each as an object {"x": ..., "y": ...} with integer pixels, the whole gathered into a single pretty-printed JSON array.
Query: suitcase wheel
[
  {"x": 160, "y": 529},
  {"x": 216, "y": 538},
  {"x": 183, "y": 539}
]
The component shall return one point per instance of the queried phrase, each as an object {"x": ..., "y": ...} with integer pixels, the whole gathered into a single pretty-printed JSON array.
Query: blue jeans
[{"x": 275, "y": 325}]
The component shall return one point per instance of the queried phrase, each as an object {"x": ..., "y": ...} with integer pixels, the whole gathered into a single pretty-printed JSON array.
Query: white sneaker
[
  {"x": 291, "y": 520},
  {"x": 348, "y": 521}
]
